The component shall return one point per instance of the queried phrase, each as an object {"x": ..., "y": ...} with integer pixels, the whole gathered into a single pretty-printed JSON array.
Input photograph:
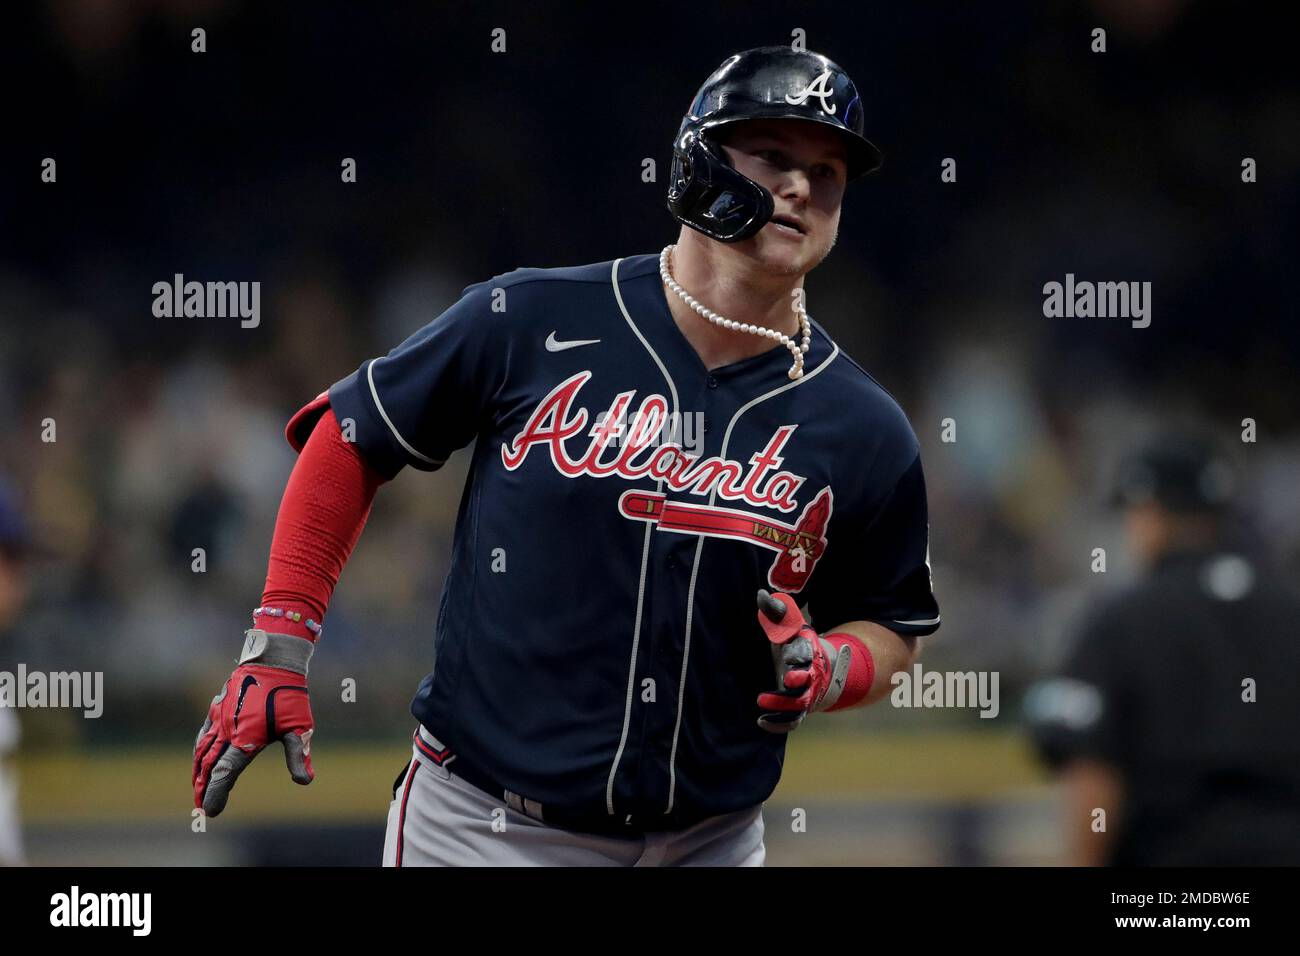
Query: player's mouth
[{"x": 788, "y": 225}]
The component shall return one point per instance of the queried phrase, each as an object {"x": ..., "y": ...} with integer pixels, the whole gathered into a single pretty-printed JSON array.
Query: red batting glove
[
  {"x": 805, "y": 672},
  {"x": 265, "y": 699}
]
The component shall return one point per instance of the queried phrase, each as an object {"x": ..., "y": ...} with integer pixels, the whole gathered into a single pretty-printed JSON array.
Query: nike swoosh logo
[
  {"x": 553, "y": 345},
  {"x": 249, "y": 681}
]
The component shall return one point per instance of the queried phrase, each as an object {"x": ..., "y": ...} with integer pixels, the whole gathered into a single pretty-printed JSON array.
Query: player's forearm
[
  {"x": 324, "y": 509},
  {"x": 890, "y": 653}
]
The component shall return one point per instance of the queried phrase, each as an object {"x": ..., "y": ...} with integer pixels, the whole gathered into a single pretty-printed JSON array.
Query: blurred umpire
[{"x": 1179, "y": 709}]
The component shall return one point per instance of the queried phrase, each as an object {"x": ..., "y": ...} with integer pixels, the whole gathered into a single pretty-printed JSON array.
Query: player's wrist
[
  {"x": 851, "y": 671},
  {"x": 287, "y": 619},
  {"x": 269, "y": 649}
]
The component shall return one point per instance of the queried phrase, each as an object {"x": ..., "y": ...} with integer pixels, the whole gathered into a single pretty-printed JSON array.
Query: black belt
[{"x": 585, "y": 821}]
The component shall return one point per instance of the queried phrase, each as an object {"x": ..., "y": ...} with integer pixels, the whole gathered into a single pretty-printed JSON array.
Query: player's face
[{"x": 804, "y": 166}]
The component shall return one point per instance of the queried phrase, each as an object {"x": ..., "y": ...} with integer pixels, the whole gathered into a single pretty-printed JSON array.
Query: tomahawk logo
[
  {"x": 820, "y": 88},
  {"x": 74, "y": 909}
]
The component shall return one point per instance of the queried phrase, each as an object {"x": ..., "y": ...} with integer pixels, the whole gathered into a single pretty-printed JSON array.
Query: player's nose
[{"x": 796, "y": 187}]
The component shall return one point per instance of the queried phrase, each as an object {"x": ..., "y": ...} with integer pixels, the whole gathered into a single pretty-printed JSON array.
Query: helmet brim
[{"x": 861, "y": 155}]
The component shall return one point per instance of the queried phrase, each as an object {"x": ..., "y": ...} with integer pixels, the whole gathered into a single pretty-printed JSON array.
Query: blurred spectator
[{"x": 15, "y": 543}]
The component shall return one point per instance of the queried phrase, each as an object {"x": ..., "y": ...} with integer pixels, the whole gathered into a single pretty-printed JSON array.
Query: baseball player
[{"x": 675, "y": 474}]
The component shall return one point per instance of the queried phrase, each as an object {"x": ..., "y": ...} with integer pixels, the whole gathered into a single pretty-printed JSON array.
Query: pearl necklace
[{"x": 797, "y": 350}]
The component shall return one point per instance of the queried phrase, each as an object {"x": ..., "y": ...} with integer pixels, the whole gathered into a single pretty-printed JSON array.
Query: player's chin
[{"x": 782, "y": 255}]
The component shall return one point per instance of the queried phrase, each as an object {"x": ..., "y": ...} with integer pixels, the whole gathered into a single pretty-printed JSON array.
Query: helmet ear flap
[{"x": 710, "y": 196}]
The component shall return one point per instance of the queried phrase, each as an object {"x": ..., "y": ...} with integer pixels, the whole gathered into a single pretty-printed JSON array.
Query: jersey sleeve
[
  {"x": 1088, "y": 710},
  {"x": 878, "y": 568},
  {"x": 432, "y": 394}
]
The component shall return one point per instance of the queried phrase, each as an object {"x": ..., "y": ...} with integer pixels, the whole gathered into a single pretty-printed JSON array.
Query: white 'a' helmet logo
[{"x": 820, "y": 88}]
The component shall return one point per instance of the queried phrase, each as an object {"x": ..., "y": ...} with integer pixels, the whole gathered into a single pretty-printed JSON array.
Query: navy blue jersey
[{"x": 597, "y": 646}]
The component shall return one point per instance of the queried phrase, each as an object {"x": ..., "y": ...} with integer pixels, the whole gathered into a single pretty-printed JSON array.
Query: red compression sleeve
[
  {"x": 325, "y": 506},
  {"x": 862, "y": 669}
]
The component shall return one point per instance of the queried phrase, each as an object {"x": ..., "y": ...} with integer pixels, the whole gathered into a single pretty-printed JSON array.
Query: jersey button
[{"x": 712, "y": 382}]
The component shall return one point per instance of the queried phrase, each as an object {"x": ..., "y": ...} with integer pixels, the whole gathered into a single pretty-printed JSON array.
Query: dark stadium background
[{"x": 226, "y": 166}]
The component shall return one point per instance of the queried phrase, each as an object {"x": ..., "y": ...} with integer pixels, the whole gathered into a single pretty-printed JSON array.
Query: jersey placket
[{"x": 675, "y": 559}]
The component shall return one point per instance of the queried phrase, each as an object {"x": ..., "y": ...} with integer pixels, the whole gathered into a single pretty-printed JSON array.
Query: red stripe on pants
[{"x": 401, "y": 815}]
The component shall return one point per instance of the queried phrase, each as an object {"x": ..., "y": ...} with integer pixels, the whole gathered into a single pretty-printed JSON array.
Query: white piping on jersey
[
  {"x": 695, "y": 567},
  {"x": 370, "y": 378},
  {"x": 645, "y": 558},
  {"x": 933, "y": 620}
]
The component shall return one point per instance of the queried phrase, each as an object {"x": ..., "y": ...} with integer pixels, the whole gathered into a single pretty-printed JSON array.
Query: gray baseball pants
[{"x": 438, "y": 819}]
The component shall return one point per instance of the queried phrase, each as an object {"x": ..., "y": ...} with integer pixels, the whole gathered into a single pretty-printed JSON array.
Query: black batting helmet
[{"x": 771, "y": 82}]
